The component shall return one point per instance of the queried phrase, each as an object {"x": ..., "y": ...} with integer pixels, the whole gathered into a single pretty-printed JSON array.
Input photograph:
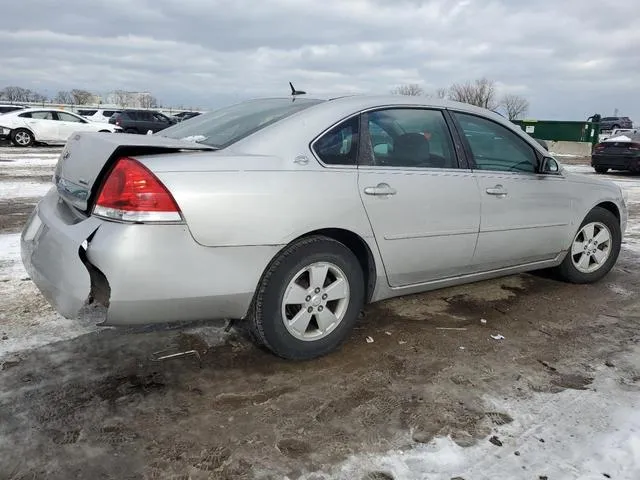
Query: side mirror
[{"x": 549, "y": 165}]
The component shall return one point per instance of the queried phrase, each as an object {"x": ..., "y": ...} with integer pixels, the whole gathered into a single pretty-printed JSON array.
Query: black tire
[
  {"x": 567, "y": 270},
  {"x": 601, "y": 170},
  {"x": 23, "y": 133},
  {"x": 104, "y": 131},
  {"x": 266, "y": 324}
]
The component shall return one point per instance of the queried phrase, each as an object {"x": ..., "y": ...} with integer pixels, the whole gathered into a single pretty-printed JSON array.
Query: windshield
[{"x": 223, "y": 127}]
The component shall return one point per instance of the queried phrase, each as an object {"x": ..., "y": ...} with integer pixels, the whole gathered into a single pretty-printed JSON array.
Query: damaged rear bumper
[
  {"x": 50, "y": 247},
  {"x": 142, "y": 273}
]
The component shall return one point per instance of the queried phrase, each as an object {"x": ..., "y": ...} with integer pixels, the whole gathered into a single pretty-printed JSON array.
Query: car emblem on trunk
[{"x": 66, "y": 154}]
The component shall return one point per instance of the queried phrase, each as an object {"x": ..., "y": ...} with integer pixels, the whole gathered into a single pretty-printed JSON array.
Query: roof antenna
[{"x": 295, "y": 92}]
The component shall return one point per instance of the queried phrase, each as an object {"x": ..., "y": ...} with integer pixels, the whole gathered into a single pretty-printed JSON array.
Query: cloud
[{"x": 570, "y": 58}]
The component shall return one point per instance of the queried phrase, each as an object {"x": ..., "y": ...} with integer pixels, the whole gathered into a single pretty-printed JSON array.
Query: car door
[
  {"x": 423, "y": 205},
  {"x": 68, "y": 124},
  {"x": 145, "y": 121},
  {"x": 43, "y": 124},
  {"x": 526, "y": 215}
]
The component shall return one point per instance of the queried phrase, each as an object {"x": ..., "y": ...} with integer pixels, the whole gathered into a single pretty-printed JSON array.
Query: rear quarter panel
[{"x": 269, "y": 206}]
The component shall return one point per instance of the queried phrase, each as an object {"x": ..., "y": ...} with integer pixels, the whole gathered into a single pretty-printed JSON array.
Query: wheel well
[
  {"x": 611, "y": 207},
  {"x": 360, "y": 249}
]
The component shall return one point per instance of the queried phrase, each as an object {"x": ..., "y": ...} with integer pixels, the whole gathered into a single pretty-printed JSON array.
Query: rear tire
[
  {"x": 594, "y": 249},
  {"x": 22, "y": 138},
  {"x": 601, "y": 170},
  {"x": 308, "y": 299}
]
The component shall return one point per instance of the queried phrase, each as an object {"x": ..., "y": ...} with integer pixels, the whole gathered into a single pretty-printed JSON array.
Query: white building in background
[{"x": 131, "y": 99}]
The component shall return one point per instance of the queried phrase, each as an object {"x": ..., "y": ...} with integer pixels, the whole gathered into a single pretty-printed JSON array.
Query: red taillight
[
  {"x": 598, "y": 148},
  {"x": 132, "y": 193}
]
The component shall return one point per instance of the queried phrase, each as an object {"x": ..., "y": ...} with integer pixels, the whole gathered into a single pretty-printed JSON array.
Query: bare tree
[
  {"x": 411, "y": 89},
  {"x": 36, "y": 97},
  {"x": 515, "y": 106},
  {"x": 81, "y": 97},
  {"x": 15, "y": 94},
  {"x": 64, "y": 96},
  {"x": 121, "y": 98},
  {"x": 441, "y": 93},
  {"x": 148, "y": 101},
  {"x": 480, "y": 92}
]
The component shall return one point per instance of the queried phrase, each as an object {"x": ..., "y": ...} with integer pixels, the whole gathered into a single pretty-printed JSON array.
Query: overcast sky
[{"x": 570, "y": 58}]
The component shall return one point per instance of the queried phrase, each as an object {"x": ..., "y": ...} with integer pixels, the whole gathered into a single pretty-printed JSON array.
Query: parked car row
[{"x": 28, "y": 126}]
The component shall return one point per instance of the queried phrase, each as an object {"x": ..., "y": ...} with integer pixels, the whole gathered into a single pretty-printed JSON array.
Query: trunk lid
[{"x": 87, "y": 157}]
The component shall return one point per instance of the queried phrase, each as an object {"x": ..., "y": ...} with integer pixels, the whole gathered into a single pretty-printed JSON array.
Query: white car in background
[
  {"x": 46, "y": 125},
  {"x": 98, "y": 114}
]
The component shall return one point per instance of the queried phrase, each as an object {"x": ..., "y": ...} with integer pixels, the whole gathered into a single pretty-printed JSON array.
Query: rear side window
[
  {"x": 87, "y": 113},
  {"x": 108, "y": 113},
  {"x": 495, "y": 147},
  {"x": 39, "y": 115},
  {"x": 339, "y": 146}
]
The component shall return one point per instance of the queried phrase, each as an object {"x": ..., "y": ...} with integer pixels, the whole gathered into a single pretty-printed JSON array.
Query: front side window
[
  {"x": 228, "y": 125},
  {"x": 495, "y": 147},
  {"x": 410, "y": 138},
  {"x": 339, "y": 146},
  {"x": 160, "y": 118}
]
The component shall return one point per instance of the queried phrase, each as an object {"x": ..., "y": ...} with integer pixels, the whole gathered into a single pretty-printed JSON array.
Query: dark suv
[
  {"x": 611, "y": 123},
  {"x": 141, "y": 121}
]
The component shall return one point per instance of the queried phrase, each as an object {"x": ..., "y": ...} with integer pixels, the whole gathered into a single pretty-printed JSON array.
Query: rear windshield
[{"x": 226, "y": 126}]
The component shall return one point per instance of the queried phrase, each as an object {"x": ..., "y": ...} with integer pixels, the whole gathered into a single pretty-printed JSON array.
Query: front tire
[
  {"x": 594, "y": 250},
  {"x": 601, "y": 170},
  {"x": 22, "y": 138},
  {"x": 308, "y": 299}
]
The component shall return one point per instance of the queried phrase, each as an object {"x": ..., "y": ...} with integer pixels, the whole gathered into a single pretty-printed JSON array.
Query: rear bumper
[
  {"x": 616, "y": 162},
  {"x": 142, "y": 273}
]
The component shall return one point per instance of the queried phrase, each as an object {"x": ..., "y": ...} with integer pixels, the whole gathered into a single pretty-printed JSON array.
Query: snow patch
[
  {"x": 573, "y": 434},
  {"x": 26, "y": 319},
  {"x": 17, "y": 189}
]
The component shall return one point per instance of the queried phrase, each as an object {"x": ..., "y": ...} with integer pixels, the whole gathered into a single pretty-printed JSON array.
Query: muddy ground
[{"x": 98, "y": 406}]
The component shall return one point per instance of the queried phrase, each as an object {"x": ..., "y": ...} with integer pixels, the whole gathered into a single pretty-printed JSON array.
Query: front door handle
[
  {"x": 380, "y": 189},
  {"x": 498, "y": 190}
]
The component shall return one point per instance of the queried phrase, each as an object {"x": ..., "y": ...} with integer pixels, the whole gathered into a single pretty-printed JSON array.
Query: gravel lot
[{"x": 435, "y": 396}]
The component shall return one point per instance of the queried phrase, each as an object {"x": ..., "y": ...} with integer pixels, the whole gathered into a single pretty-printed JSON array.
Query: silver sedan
[{"x": 292, "y": 213}]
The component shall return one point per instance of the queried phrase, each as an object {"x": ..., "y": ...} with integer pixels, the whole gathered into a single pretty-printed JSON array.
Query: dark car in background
[
  {"x": 621, "y": 152},
  {"x": 6, "y": 108},
  {"x": 610, "y": 123},
  {"x": 141, "y": 121}
]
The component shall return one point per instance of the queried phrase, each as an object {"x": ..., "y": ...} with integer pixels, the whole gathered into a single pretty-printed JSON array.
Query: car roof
[
  {"x": 366, "y": 101},
  {"x": 40, "y": 109}
]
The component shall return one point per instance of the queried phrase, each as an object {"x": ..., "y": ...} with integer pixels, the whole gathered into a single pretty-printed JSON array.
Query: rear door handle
[
  {"x": 380, "y": 189},
  {"x": 498, "y": 190}
]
